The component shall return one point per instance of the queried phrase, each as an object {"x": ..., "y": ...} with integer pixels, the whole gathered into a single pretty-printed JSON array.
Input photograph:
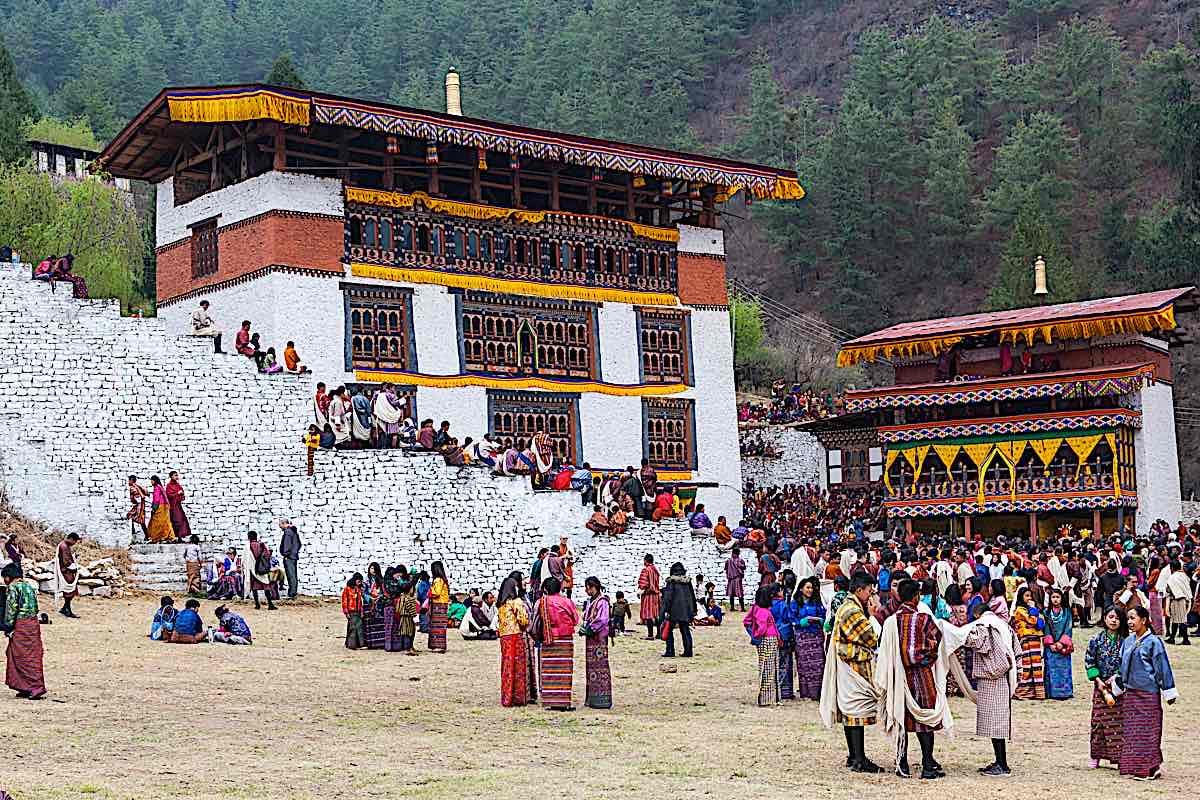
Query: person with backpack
[{"x": 260, "y": 574}]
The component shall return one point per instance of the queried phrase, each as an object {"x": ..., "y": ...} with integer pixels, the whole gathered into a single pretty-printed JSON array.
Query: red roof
[
  {"x": 992, "y": 321},
  {"x": 1003, "y": 381}
]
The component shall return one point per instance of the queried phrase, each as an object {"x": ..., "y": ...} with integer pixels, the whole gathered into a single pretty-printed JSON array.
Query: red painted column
[{"x": 1033, "y": 527}]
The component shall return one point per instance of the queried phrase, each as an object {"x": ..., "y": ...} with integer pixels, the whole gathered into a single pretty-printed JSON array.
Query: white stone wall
[
  {"x": 271, "y": 191},
  {"x": 94, "y": 397},
  {"x": 1157, "y": 459},
  {"x": 703, "y": 241},
  {"x": 803, "y": 459}
]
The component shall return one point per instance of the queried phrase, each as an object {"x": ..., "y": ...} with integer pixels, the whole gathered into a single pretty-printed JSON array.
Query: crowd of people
[
  {"x": 886, "y": 630},
  {"x": 790, "y": 403},
  {"x": 186, "y": 627},
  {"x": 247, "y": 343},
  {"x": 167, "y": 522}
]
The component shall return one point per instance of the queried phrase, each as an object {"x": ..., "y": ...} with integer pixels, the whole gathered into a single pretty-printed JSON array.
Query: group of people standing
[{"x": 168, "y": 521}]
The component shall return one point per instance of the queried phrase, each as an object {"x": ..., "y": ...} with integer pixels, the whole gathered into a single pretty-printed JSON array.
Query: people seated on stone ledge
[
  {"x": 241, "y": 342},
  {"x": 488, "y": 451},
  {"x": 232, "y": 628},
  {"x": 699, "y": 522},
  {"x": 204, "y": 325},
  {"x": 582, "y": 481},
  {"x": 268, "y": 365},
  {"x": 228, "y": 582},
  {"x": 721, "y": 532},
  {"x": 189, "y": 628},
  {"x": 442, "y": 437},
  {"x": 62, "y": 272},
  {"x": 259, "y": 354},
  {"x": 454, "y": 454},
  {"x": 45, "y": 269},
  {"x": 163, "y": 624},
  {"x": 327, "y": 439},
  {"x": 291, "y": 360},
  {"x": 561, "y": 481},
  {"x": 425, "y": 435},
  {"x": 664, "y": 505},
  {"x": 618, "y": 521},
  {"x": 598, "y": 523}
]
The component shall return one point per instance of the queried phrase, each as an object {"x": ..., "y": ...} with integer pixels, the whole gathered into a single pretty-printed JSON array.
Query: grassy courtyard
[{"x": 298, "y": 716}]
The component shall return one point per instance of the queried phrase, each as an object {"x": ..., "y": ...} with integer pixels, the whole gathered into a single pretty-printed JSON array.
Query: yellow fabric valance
[
  {"x": 947, "y": 453},
  {"x": 919, "y": 455},
  {"x": 892, "y": 455},
  {"x": 489, "y": 382},
  {"x": 239, "y": 106},
  {"x": 506, "y": 286},
  {"x": 1111, "y": 438},
  {"x": 849, "y": 356},
  {"x": 1144, "y": 322},
  {"x": 458, "y": 208}
]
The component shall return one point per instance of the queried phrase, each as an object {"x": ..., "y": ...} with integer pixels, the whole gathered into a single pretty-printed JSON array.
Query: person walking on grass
[
  {"x": 352, "y": 607},
  {"x": 678, "y": 610},
  {"x": 289, "y": 551}
]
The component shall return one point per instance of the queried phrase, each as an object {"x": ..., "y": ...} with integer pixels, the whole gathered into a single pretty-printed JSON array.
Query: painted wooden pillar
[
  {"x": 1096, "y": 521},
  {"x": 967, "y": 527},
  {"x": 1033, "y": 527}
]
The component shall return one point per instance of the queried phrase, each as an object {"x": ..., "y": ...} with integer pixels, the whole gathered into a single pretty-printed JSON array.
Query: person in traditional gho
[
  {"x": 388, "y": 410},
  {"x": 1145, "y": 677},
  {"x": 291, "y": 360},
  {"x": 993, "y": 646},
  {"x": 339, "y": 417},
  {"x": 241, "y": 342},
  {"x": 594, "y": 629},
  {"x": 189, "y": 628},
  {"x": 911, "y": 639},
  {"x": 1058, "y": 646},
  {"x": 848, "y": 694},
  {"x": 66, "y": 574},
  {"x": 137, "y": 504},
  {"x": 1028, "y": 624},
  {"x": 808, "y": 627},
  {"x": 554, "y": 621},
  {"x": 361, "y": 422},
  {"x": 204, "y": 325},
  {"x": 651, "y": 595},
  {"x": 24, "y": 673},
  {"x": 175, "y": 498},
  {"x": 761, "y": 627},
  {"x": 260, "y": 572},
  {"x": 512, "y": 622},
  {"x": 160, "y": 529},
  {"x": 1103, "y": 664},
  {"x": 1179, "y": 597},
  {"x": 439, "y": 605},
  {"x": 735, "y": 575},
  {"x": 321, "y": 407}
]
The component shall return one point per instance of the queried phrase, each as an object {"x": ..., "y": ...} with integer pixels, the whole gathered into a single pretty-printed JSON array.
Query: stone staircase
[{"x": 158, "y": 567}]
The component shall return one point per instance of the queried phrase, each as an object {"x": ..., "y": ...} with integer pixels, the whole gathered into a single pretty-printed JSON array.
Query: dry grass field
[{"x": 297, "y": 716}]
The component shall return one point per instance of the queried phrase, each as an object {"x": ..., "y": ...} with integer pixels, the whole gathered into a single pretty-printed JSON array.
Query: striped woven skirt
[
  {"x": 373, "y": 626},
  {"x": 24, "y": 670},
  {"x": 1031, "y": 670},
  {"x": 514, "y": 673},
  {"x": 1156, "y": 612},
  {"x": 787, "y": 682},
  {"x": 1141, "y": 733},
  {"x": 599, "y": 676},
  {"x": 1106, "y": 728},
  {"x": 557, "y": 668},
  {"x": 391, "y": 629},
  {"x": 810, "y": 665},
  {"x": 437, "y": 626},
  {"x": 768, "y": 671}
]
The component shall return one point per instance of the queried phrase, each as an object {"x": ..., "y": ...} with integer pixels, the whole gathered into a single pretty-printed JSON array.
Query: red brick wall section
[
  {"x": 702, "y": 280},
  {"x": 280, "y": 238}
]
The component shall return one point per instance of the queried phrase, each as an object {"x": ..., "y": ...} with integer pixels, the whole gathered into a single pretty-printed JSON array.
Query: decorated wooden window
[
  {"x": 669, "y": 440},
  {"x": 527, "y": 336},
  {"x": 204, "y": 249},
  {"x": 664, "y": 346},
  {"x": 379, "y": 330},
  {"x": 516, "y": 417}
]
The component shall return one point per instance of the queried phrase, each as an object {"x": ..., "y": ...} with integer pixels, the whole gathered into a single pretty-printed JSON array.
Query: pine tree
[
  {"x": 284, "y": 73},
  {"x": 16, "y": 108},
  {"x": 764, "y": 125},
  {"x": 947, "y": 205},
  {"x": 1034, "y": 235},
  {"x": 1034, "y": 167}
]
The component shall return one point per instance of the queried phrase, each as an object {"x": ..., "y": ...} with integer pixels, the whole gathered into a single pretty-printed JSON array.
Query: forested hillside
[{"x": 943, "y": 143}]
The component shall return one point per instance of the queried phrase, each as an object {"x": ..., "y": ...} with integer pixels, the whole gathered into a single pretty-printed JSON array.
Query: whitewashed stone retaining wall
[
  {"x": 93, "y": 397},
  {"x": 803, "y": 459}
]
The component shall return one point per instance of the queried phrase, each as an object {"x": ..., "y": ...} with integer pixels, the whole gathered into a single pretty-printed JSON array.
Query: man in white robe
[{"x": 204, "y": 325}]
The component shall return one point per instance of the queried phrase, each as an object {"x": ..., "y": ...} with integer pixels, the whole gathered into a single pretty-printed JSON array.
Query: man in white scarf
[
  {"x": 801, "y": 563},
  {"x": 848, "y": 695},
  {"x": 1179, "y": 602},
  {"x": 910, "y": 674},
  {"x": 943, "y": 573},
  {"x": 1058, "y": 569}
]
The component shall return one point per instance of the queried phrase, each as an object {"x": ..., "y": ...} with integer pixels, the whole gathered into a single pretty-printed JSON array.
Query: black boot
[
  {"x": 902, "y": 770},
  {"x": 850, "y": 759},
  {"x": 930, "y": 769},
  {"x": 1171, "y": 636},
  {"x": 1183, "y": 631},
  {"x": 999, "y": 768},
  {"x": 862, "y": 763}
]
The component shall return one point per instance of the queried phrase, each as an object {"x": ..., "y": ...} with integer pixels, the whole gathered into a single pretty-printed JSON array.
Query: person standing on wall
[
  {"x": 137, "y": 504},
  {"x": 175, "y": 498},
  {"x": 289, "y": 551},
  {"x": 260, "y": 572}
]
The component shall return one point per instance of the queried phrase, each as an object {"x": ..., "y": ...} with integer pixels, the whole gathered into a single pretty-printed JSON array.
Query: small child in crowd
[{"x": 620, "y": 612}]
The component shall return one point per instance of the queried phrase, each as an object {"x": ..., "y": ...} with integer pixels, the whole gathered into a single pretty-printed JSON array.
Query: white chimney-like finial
[
  {"x": 1039, "y": 278},
  {"x": 453, "y": 94}
]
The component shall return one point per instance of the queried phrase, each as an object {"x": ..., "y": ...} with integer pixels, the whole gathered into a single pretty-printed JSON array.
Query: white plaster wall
[
  {"x": 271, "y": 191},
  {"x": 104, "y": 396},
  {"x": 617, "y": 326},
  {"x": 717, "y": 448},
  {"x": 1157, "y": 459},
  {"x": 611, "y": 429},
  {"x": 803, "y": 459},
  {"x": 705, "y": 241},
  {"x": 436, "y": 329}
]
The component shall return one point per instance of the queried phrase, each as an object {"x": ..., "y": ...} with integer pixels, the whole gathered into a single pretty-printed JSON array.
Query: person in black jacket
[
  {"x": 289, "y": 550},
  {"x": 631, "y": 485},
  {"x": 678, "y": 610}
]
